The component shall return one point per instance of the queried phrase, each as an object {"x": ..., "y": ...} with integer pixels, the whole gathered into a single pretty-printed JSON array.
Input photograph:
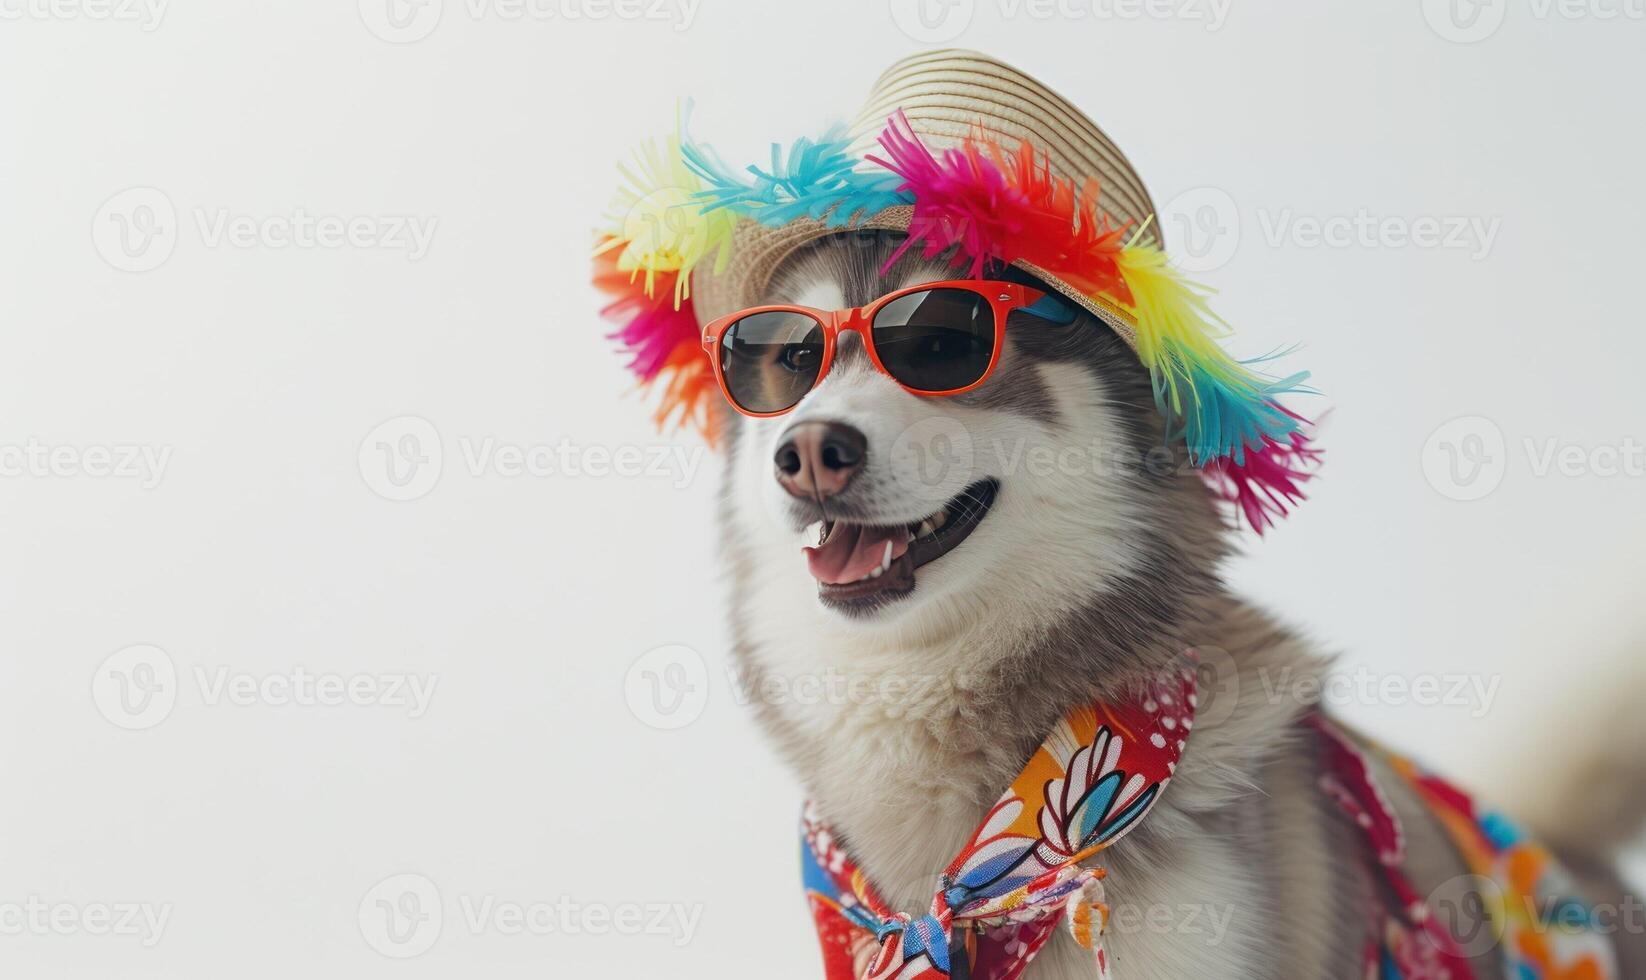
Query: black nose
[{"x": 816, "y": 460}]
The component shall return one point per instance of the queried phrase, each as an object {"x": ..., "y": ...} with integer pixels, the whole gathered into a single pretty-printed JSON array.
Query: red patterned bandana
[
  {"x": 1094, "y": 779},
  {"x": 1088, "y": 785},
  {"x": 1528, "y": 904}
]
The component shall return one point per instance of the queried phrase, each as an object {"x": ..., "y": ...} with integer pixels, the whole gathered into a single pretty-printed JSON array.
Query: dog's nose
[{"x": 816, "y": 460}]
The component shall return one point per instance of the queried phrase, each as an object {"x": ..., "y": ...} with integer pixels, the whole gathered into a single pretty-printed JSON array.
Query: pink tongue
[{"x": 853, "y": 551}]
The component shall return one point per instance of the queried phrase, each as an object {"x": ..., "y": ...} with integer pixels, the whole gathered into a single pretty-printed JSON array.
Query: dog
[{"x": 1056, "y": 555}]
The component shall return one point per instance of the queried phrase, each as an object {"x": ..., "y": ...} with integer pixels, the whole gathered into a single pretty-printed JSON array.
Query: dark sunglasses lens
[
  {"x": 936, "y": 339},
  {"x": 770, "y": 360}
]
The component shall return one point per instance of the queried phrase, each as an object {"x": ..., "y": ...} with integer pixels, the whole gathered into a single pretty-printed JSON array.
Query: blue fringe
[
  {"x": 817, "y": 179},
  {"x": 1218, "y": 420}
]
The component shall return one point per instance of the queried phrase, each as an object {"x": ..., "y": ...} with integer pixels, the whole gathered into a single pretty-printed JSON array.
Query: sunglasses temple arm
[{"x": 1052, "y": 308}]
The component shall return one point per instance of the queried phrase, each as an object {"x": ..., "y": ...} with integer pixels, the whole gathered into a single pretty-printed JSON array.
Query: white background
[{"x": 264, "y": 546}]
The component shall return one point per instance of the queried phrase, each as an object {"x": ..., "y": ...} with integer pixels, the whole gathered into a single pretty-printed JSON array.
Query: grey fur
[{"x": 1243, "y": 829}]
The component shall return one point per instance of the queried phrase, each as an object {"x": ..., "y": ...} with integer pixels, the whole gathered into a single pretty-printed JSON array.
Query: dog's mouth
[{"x": 860, "y": 566}]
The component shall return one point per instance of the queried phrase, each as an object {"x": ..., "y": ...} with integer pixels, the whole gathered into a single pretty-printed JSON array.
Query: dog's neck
[{"x": 904, "y": 756}]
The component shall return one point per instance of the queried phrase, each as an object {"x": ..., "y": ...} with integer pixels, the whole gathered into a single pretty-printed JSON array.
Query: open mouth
[{"x": 863, "y": 566}]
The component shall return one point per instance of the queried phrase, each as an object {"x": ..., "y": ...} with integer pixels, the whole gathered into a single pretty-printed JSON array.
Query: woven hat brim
[
  {"x": 947, "y": 96},
  {"x": 758, "y": 250}
]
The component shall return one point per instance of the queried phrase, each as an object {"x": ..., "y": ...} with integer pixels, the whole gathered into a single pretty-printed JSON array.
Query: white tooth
[
  {"x": 886, "y": 559},
  {"x": 875, "y": 573},
  {"x": 814, "y": 532}
]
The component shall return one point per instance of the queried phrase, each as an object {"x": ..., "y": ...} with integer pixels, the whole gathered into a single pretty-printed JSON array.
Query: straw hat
[
  {"x": 976, "y": 160},
  {"x": 947, "y": 95}
]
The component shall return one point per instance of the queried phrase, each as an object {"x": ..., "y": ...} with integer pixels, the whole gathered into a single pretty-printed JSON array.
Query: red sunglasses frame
[{"x": 1003, "y": 298}]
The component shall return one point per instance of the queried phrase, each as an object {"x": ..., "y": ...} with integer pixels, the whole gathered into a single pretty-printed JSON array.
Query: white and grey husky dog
[{"x": 1057, "y": 557}]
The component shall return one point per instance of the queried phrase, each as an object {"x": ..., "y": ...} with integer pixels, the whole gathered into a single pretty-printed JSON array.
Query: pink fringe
[
  {"x": 1004, "y": 206},
  {"x": 958, "y": 200},
  {"x": 651, "y": 330},
  {"x": 1268, "y": 483},
  {"x": 663, "y": 342}
]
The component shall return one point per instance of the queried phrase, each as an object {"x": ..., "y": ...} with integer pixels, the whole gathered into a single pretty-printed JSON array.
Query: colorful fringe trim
[
  {"x": 980, "y": 204},
  {"x": 658, "y": 232}
]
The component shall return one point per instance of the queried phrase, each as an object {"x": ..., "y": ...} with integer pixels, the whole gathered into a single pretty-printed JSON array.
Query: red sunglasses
[{"x": 938, "y": 338}]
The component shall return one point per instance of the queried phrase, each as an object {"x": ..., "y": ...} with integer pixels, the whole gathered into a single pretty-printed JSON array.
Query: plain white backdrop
[{"x": 333, "y": 537}]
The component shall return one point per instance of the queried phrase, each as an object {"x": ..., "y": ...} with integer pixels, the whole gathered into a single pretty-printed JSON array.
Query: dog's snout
[{"x": 816, "y": 460}]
